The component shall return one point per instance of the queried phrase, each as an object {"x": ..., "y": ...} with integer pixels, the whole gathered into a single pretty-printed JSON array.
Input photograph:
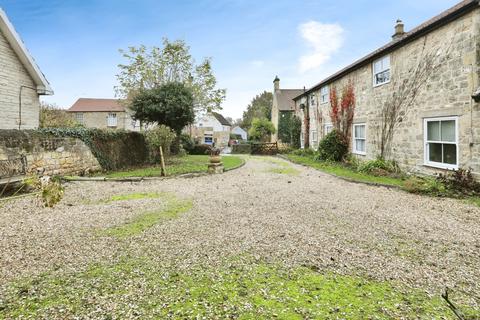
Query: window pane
[
  {"x": 360, "y": 145},
  {"x": 386, "y": 63},
  {"x": 360, "y": 132},
  {"x": 377, "y": 66},
  {"x": 435, "y": 152},
  {"x": 448, "y": 131},
  {"x": 450, "y": 154},
  {"x": 433, "y": 131}
]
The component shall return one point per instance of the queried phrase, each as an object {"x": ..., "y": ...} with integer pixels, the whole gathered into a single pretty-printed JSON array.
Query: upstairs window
[
  {"x": 112, "y": 120},
  {"x": 381, "y": 71},
  {"x": 312, "y": 100},
  {"x": 324, "y": 94},
  {"x": 441, "y": 142}
]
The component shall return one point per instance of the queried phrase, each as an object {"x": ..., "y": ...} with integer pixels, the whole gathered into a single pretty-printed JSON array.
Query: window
[
  {"x": 312, "y": 100},
  {"x": 359, "y": 138},
  {"x": 324, "y": 94},
  {"x": 112, "y": 120},
  {"x": 381, "y": 71},
  {"x": 314, "y": 137},
  {"x": 328, "y": 128},
  {"x": 441, "y": 142},
  {"x": 79, "y": 117},
  {"x": 208, "y": 138}
]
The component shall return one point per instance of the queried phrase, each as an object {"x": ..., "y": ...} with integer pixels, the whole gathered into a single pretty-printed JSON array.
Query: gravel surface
[{"x": 306, "y": 218}]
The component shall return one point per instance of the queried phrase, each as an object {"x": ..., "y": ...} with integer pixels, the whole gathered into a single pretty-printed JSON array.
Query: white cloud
[
  {"x": 257, "y": 63},
  {"x": 323, "y": 39}
]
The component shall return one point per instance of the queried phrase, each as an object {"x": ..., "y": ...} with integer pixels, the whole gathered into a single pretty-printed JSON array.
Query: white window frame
[
  {"x": 314, "y": 137},
  {"x": 112, "y": 120},
  {"x": 377, "y": 72},
  {"x": 208, "y": 135},
  {"x": 79, "y": 117},
  {"x": 312, "y": 99},
  {"x": 326, "y": 127},
  {"x": 324, "y": 97},
  {"x": 354, "y": 145},
  {"x": 439, "y": 165}
]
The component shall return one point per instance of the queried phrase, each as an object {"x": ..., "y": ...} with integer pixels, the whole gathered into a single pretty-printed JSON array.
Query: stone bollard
[{"x": 215, "y": 168}]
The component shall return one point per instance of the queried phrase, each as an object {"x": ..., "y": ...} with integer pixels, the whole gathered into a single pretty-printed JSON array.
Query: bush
[
  {"x": 261, "y": 130},
  {"x": 187, "y": 143},
  {"x": 379, "y": 167},
  {"x": 160, "y": 136},
  {"x": 460, "y": 182},
  {"x": 427, "y": 185},
  {"x": 201, "y": 149},
  {"x": 304, "y": 152},
  {"x": 52, "y": 193},
  {"x": 241, "y": 149},
  {"x": 332, "y": 148}
]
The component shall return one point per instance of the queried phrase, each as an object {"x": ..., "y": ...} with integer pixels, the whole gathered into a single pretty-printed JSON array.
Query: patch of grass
[
  {"x": 345, "y": 172},
  {"x": 147, "y": 220},
  {"x": 144, "y": 289},
  {"x": 177, "y": 166},
  {"x": 137, "y": 196},
  {"x": 285, "y": 170},
  {"x": 474, "y": 200}
]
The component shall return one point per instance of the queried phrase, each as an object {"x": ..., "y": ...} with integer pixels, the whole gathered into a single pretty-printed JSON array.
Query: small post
[{"x": 163, "y": 172}]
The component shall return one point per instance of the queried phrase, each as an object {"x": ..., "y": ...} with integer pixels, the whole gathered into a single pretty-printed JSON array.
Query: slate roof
[
  {"x": 436, "y": 22},
  {"x": 221, "y": 119},
  {"x": 97, "y": 105},
  {"x": 285, "y": 98}
]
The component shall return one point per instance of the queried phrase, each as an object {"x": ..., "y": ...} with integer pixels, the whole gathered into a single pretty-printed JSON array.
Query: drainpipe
[{"x": 20, "y": 104}]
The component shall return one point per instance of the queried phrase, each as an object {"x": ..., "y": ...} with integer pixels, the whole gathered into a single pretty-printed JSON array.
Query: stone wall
[
  {"x": 13, "y": 75},
  {"x": 99, "y": 120},
  {"x": 447, "y": 92},
  {"x": 47, "y": 154}
]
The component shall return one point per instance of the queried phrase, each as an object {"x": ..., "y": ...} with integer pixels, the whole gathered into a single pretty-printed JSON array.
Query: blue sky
[{"x": 76, "y": 43}]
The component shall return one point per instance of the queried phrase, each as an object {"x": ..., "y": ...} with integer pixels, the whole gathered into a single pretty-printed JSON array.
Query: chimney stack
[
  {"x": 399, "y": 30},
  {"x": 276, "y": 83}
]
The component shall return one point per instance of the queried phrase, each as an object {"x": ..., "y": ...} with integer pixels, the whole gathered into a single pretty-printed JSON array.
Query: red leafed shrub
[{"x": 342, "y": 112}]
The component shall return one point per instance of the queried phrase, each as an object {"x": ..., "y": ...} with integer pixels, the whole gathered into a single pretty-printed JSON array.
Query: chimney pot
[
  {"x": 276, "y": 83},
  {"x": 399, "y": 30}
]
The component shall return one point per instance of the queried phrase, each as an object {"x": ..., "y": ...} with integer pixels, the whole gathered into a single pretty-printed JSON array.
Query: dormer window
[{"x": 381, "y": 71}]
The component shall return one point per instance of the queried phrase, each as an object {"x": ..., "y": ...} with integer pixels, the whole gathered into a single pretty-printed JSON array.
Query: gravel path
[{"x": 304, "y": 217}]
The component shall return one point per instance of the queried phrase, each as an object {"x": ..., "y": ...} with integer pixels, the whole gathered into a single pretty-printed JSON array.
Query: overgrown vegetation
[
  {"x": 289, "y": 129},
  {"x": 342, "y": 111},
  {"x": 261, "y": 130},
  {"x": 235, "y": 289},
  {"x": 160, "y": 137},
  {"x": 51, "y": 116},
  {"x": 50, "y": 189},
  {"x": 332, "y": 148}
]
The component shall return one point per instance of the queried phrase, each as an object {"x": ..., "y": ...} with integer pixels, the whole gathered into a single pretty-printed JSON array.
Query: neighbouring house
[
  {"x": 21, "y": 81},
  {"x": 240, "y": 132},
  {"x": 103, "y": 114},
  {"x": 211, "y": 129},
  {"x": 441, "y": 129},
  {"x": 282, "y": 103}
]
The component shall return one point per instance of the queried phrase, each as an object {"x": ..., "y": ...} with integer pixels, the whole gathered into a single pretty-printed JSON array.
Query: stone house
[
  {"x": 441, "y": 128},
  {"x": 21, "y": 81},
  {"x": 211, "y": 129},
  {"x": 282, "y": 103},
  {"x": 103, "y": 114},
  {"x": 240, "y": 132}
]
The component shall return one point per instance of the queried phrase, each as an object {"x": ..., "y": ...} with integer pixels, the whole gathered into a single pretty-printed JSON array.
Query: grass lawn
[
  {"x": 142, "y": 288},
  {"x": 178, "y": 165},
  {"x": 345, "y": 172}
]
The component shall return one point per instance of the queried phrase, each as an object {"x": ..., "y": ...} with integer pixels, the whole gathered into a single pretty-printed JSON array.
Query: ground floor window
[
  {"x": 79, "y": 117},
  {"x": 112, "y": 120},
  {"x": 359, "y": 138},
  {"x": 314, "y": 137},
  {"x": 208, "y": 139},
  {"x": 441, "y": 142},
  {"x": 328, "y": 128}
]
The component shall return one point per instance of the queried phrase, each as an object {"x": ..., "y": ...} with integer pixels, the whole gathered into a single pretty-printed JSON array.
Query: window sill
[
  {"x": 359, "y": 153},
  {"x": 380, "y": 84},
  {"x": 442, "y": 166}
]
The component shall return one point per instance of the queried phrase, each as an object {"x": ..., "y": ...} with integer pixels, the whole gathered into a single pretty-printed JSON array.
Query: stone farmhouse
[
  {"x": 21, "y": 81},
  {"x": 103, "y": 114},
  {"x": 282, "y": 103},
  {"x": 441, "y": 128},
  {"x": 211, "y": 129}
]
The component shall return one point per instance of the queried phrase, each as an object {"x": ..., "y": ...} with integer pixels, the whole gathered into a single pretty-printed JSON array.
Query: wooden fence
[{"x": 265, "y": 149}]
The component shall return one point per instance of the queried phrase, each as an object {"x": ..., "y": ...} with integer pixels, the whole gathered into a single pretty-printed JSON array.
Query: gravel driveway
[{"x": 269, "y": 209}]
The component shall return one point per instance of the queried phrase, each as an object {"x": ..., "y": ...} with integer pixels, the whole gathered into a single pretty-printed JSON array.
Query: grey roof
[
  {"x": 285, "y": 98},
  {"x": 436, "y": 22},
  {"x": 221, "y": 119}
]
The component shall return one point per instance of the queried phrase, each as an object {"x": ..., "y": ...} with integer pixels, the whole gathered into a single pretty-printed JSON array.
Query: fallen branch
[{"x": 451, "y": 305}]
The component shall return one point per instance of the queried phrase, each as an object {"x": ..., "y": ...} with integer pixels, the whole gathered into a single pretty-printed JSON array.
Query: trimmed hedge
[
  {"x": 200, "y": 149},
  {"x": 241, "y": 149}
]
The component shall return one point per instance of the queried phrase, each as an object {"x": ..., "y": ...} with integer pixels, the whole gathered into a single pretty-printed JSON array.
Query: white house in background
[
  {"x": 21, "y": 81},
  {"x": 240, "y": 132},
  {"x": 212, "y": 129}
]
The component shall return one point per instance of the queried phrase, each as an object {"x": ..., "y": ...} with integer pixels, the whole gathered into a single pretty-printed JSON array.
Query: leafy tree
[
  {"x": 150, "y": 68},
  {"x": 160, "y": 136},
  {"x": 170, "y": 104},
  {"x": 260, "y": 107},
  {"x": 261, "y": 129},
  {"x": 52, "y": 116},
  {"x": 289, "y": 129}
]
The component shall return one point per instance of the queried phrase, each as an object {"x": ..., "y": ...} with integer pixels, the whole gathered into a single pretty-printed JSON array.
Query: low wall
[{"x": 45, "y": 154}]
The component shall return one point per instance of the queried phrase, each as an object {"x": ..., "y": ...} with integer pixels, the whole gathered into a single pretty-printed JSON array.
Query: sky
[{"x": 76, "y": 42}]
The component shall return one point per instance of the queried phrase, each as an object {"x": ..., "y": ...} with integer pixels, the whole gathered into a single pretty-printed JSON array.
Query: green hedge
[{"x": 241, "y": 149}]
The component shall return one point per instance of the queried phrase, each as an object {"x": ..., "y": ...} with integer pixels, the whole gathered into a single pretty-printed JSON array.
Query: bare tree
[{"x": 406, "y": 87}]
